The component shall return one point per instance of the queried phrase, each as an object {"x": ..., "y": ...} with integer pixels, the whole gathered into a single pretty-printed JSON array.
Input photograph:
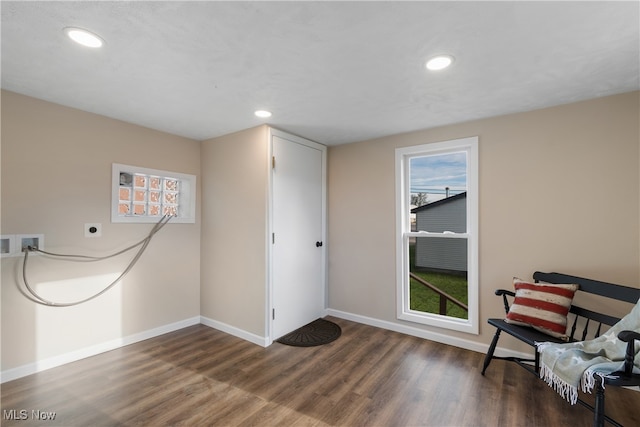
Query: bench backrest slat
[{"x": 609, "y": 290}]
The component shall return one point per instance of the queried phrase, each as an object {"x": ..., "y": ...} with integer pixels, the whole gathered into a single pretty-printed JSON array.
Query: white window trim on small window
[
  {"x": 403, "y": 233},
  {"x": 186, "y": 205}
]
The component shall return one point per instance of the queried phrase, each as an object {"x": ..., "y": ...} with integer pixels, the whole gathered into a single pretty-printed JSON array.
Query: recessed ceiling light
[
  {"x": 263, "y": 113},
  {"x": 439, "y": 62},
  {"x": 83, "y": 37}
]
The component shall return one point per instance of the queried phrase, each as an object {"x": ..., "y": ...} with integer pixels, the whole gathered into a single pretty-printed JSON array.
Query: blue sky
[{"x": 431, "y": 174}]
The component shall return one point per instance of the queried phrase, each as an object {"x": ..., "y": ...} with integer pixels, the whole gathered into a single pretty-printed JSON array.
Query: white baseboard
[
  {"x": 236, "y": 332},
  {"x": 421, "y": 333},
  {"x": 52, "y": 362}
]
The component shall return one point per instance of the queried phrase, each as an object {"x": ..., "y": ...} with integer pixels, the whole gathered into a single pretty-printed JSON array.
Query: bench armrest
[
  {"x": 629, "y": 337},
  {"x": 504, "y": 293}
]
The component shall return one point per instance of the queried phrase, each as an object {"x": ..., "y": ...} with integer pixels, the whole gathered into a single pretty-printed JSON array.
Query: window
[
  {"x": 437, "y": 234},
  {"x": 145, "y": 195}
]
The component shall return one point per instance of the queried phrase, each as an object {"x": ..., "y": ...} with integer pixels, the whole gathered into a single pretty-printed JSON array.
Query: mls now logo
[{"x": 23, "y": 414}]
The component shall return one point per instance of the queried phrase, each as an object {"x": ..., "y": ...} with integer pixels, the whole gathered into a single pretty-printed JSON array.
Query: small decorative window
[{"x": 145, "y": 195}]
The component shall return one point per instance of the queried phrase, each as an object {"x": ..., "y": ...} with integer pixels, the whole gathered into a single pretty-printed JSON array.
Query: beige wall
[
  {"x": 56, "y": 176},
  {"x": 559, "y": 191},
  {"x": 234, "y": 227}
]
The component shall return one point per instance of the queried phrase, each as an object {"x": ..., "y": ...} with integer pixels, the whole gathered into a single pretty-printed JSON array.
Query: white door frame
[{"x": 268, "y": 238}]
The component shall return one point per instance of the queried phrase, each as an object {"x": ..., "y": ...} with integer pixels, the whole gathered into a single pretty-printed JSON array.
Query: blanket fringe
[
  {"x": 588, "y": 380},
  {"x": 564, "y": 389}
]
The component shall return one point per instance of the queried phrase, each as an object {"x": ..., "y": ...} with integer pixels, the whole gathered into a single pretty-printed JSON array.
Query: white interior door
[{"x": 297, "y": 257}]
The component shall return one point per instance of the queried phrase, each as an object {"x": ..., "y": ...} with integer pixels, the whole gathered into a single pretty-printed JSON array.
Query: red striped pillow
[{"x": 542, "y": 306}]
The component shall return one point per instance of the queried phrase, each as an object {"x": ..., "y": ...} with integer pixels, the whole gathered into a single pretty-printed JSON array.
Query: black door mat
[{"x": 318, "y": 332}]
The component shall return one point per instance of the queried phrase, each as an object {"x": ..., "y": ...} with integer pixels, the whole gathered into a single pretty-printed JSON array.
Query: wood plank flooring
[{"x": 199, "y": 376}]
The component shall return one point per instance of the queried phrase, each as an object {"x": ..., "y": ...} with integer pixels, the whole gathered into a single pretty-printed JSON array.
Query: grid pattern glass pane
[{"x": 148, "y": 195}]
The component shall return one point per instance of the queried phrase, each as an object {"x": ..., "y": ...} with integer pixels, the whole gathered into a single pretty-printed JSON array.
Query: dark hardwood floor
[{"x": 368, "y": 377}]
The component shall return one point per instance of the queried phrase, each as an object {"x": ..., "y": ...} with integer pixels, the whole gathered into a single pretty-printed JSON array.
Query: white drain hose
[{"x": 83, "y": 258}]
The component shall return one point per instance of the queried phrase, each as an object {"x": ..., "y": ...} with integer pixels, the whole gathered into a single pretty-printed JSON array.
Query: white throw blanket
[{"x": 565, "y": 366}]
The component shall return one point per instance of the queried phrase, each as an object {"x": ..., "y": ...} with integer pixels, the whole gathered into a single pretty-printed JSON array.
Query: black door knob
[{"x": 318, "y": 244}]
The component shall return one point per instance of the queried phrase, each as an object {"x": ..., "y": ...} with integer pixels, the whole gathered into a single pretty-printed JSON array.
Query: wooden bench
[{"x": 587, "y": 323}]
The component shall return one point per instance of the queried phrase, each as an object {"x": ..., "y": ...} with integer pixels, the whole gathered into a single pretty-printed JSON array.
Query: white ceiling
[{"x": 334, "y": 72}]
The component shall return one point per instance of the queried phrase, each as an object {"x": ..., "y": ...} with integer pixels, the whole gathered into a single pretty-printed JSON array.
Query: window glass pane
[
  {"x": 126, "y": 179},
  {"x": 154, "y": 183},
  {"x": 438, "y": 276},
  {"x": 151, "y": 195},
  {"x": 154, "y": 196},
  {"x": 140, "y": 181},
  {"x": 438, "y": 266},
  {"x": 170, "y": 210},
  {"x": 139, "y": 209},
  {"x": 140, "y": 193},
  {"x": 124, "y": 208},
  {"x": 125, "y": 193},
  {"x": 170, "y": 184},
  {"x": 170, "y": 198},
  {"x": 438, "y": 192}
]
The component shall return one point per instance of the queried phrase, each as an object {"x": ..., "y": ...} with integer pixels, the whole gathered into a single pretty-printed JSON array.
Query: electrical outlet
[{"x": 93, "y": 229}]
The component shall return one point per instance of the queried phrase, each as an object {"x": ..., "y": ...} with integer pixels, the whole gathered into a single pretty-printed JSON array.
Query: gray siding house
[{"x": 448, "y": 214}]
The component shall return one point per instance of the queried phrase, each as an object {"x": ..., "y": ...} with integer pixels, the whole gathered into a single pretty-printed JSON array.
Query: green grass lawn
[{"x": 424, "y": 299}]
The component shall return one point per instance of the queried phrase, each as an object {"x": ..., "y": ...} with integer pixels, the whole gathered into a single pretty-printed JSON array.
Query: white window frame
[
  {"x": 187, "y": 195},
  {"x": 403, "y": 233}
]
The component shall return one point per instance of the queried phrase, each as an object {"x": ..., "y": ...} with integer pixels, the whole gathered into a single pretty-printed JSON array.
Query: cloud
[{"x": 433, "y": 173}]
